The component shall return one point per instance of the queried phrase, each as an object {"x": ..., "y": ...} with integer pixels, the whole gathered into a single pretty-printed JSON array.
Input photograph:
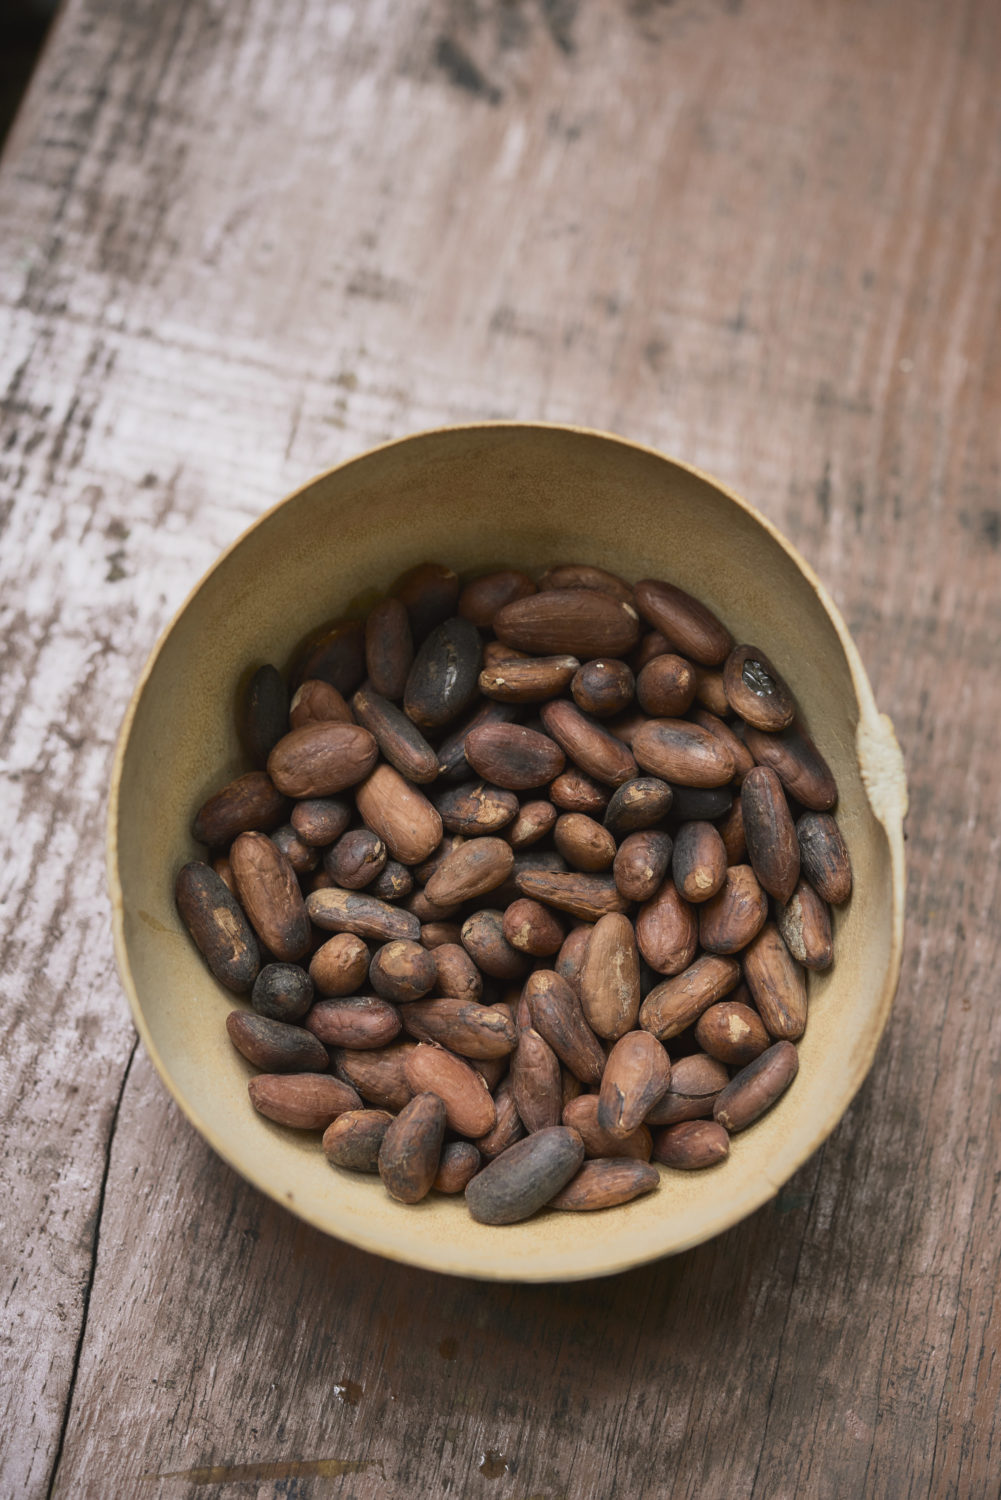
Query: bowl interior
[{"x": 477, "y": 497}]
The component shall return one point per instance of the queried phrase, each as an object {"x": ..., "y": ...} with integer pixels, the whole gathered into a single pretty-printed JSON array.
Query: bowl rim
[{"x": 883, "y": 775}]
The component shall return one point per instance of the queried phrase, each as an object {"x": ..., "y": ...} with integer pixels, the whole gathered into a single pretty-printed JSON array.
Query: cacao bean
[
  {"x": 716, "y": 725},
  {"x": 482, "y": 936},
  {"x": 584, "y": 843},
  {"x": 586, "y": 896},
  {"x": 526, "y": 1176},
  {"x": 536, "y": 1082},
  {"x": 570, "y": 959},
  {"x": 691, "y": 1145},
  {"x": 304, "y": 1101},
  {"x": 610, "y": 977},
  {"x": 411, "y": 1149},
  {"x": 216, "y": 921},
  {"x": 339, "y": 966},
  {"x": 667, "y": 931},
  {"x": 275, "y": 1046},
  {"x": 397, "y": 736},
  {"x": 695, "y": 1082},
  {"x": 356, "y": 859},
  {"x": 354, "y": 1139},
  {"x": 582, "y": 1114},
  {"x": 770, "y": 833},
  {"x": 699, "y": 862},
  {"x": 679, "y": 1001},
  {"x": 302, "y": 857},
  {"x": 529, "y": 679},
  {"x": 797, "y": 763},
  {"x": 757, "y": 1087},
  {"x": 710, "y": 692},
  {"x": 469, "y": 1109},
  {"x": 731, "y": 831},
  {"x": 476, "y": 808},
  {"x": 603, "y": 688},
  {"x": 586, "y": 576},
  {"x": 379, "y": 1075},
  {"x": 556, "y": 1015},
  {"x": 509, "y": 1127},
  {"x": 402, "y": 970},
  {"x": 532, "y": 928},
  {"x": 701, "y": 804},
  {"x": 264, "y": 714},
  {"x": 665, "y": 688},
  {"x": 637, "y": 1074},
  {"x": 534, "y": 821},
  {"x": 250, "y": 804},
  {"x": 755, "y": 691},
  {"x": 366, "y": 916},
  {"x": 282, "y": 991},
  {"x": 316, "y": 702},
  {"x": 732, "y": 1032},
  {"x": 434, "y": 934},
  {"x": 805, "y": 925},
  {"x": 270, "y": 895},
  {"x": 587, "y": 743},
  {"x": 689, "y": 624},
  {"x": 430, "y": 592},
  {"x": 335, "y": 654},
  {"x": 777, "y": 984},
  {"x": 393, "y": 883},
  {"x": 512, "y": 756},
  {"x": 641, "y": 863},
  {"x": 638, "y": 804},
  {"x": 576, "y": 622},
  {"x": 459, "y": 1164},
  {"x": 824, "y": 857},
  {"x": 357, "y": 1021},
  {"x": 606, "y": 1184},
  {"x": 729, "y": 920},
  {"x": 320, "y": 821},
  {"x": 574, "y": 792},
  {"x": 475, "y": 867},
  {"x": 462, "y": 1026},
  {"x": 682, "y": 753},
  {"x": 389, "y": 648},
  {"x": 482, "y": 599},
  {"x": 456, "y": 976},
  {"x": 452, "y": 762},
  {"x": 442, "y": 680},
  {"x": 321, "y": 759}
]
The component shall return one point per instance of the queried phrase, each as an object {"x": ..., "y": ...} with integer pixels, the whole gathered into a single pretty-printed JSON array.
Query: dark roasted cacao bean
[{"x": 216, "y": 921}]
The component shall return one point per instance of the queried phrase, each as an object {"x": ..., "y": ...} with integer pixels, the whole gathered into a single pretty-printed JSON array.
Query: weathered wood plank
[{"x": 239, "y": 243}]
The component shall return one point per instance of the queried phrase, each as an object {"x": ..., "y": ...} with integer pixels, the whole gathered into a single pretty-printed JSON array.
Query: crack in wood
[{"x": 91, "y": 1273}]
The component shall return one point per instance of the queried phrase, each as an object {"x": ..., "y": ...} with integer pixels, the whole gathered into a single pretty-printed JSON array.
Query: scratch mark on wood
[
  {"x": 460, "y": 69},
  {"x": 293, "y": 1468}
]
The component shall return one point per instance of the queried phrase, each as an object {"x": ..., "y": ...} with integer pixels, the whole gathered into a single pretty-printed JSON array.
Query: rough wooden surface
[{"x": 239, "y": 242}]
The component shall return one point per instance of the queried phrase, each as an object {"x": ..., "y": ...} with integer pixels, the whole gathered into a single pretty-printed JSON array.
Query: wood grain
[{"x": 238, "y": 243}]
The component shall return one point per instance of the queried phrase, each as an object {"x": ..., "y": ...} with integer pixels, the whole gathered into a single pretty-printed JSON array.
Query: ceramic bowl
[{"x": 475, "y": 497}]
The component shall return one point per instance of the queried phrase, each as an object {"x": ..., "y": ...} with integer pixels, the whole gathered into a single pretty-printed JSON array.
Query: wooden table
[{"x": 241, "y": 242}]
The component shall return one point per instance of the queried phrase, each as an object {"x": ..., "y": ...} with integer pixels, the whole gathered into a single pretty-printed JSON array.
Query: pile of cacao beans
[{"x": 523, "y": 886}]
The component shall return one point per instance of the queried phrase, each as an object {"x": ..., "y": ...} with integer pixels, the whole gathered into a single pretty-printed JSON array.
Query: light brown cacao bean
[
  {"x": 302, "y": 1101},
  {"x": 606, "y": 1184},
  {"x": 679, "y": 1001},
  {"x": 757, "y": 1087},
  {"x": 691, "y": 1145}
]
